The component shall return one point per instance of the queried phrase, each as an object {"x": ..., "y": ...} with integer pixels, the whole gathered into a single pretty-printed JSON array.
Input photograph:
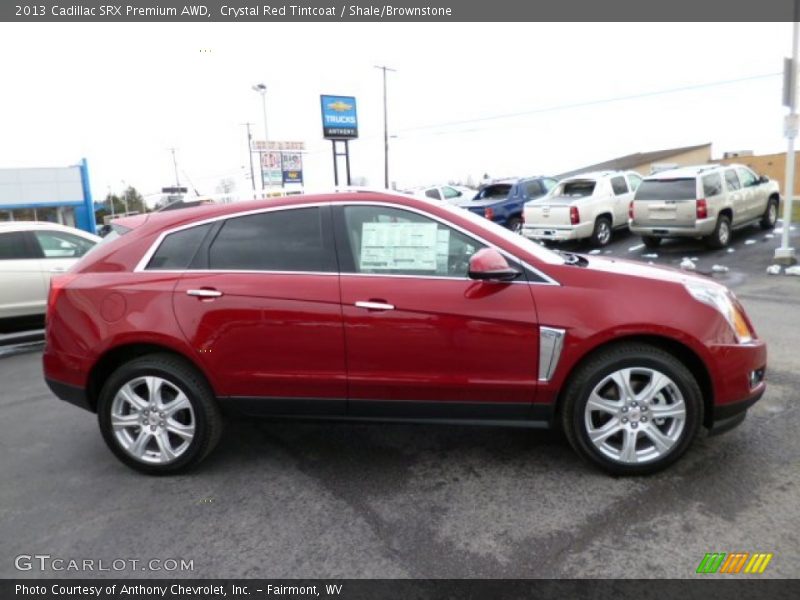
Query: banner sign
[
  {"x": 271, "y": 167},
  {"x": 262, "y": 146},
  {"x": 339, "y": 120},
  {"x": 292, "y": 167}
]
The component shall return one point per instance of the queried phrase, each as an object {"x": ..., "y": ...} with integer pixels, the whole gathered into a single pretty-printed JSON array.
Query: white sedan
[{"x": 31, "y": 252}]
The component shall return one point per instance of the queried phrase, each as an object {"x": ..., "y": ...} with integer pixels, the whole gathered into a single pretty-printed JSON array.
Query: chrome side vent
[{"x": 551, "y": 341}]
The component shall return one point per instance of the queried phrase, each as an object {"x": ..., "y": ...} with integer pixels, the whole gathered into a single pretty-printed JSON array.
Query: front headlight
[{"x": 720, "y": 299}]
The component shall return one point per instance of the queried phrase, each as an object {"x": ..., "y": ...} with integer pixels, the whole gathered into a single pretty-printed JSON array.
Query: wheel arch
[
  {"x": 114, "y": 357},
  {"x": 676, "y": 348}
]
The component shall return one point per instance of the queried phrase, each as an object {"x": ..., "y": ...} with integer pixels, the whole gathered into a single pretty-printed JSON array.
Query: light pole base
[{"x": 785, "y": 256}]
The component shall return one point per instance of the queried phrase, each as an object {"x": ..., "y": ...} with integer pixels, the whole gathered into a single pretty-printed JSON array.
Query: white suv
[
  {"x": 706, "y": 201},
  {"x": 590, "y": 205}
]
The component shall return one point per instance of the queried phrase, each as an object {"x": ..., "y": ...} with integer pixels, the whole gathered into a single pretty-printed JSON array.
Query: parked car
[
  {"x": 376, "y": 306},
  {"x": 588, "y": 206},
  {"x": 706, "y": 201},
  {"x": 449, "y": 193},
  {"x": 503, "y": 202},
  {"x": 31, "y": 252}
]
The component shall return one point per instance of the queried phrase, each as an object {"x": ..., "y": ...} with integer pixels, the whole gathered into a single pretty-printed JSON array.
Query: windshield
[
  {"x": 667, "y": 189},
  {"x": 523, "y": 243}
]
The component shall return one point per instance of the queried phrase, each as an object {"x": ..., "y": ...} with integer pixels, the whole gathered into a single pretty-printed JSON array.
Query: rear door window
[
  {"x": 294, "y": 240},
  {"x": 14, "y": 246},
  {"x": 732, "y": 180},
  {"x": 619, "y": 185},
  {"x": 667, "y": 189},
  {"x": 576, "y": 189},
  {"x": 534, "y": 189},
  {"x": 712, "y": 185}
]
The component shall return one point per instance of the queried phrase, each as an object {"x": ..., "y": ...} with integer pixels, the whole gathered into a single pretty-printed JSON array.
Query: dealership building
[{"x": 54, "y": 194}]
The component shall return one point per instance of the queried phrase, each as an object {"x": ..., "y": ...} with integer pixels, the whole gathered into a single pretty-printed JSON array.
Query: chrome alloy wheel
[
  {"x": 635, "y": 415},
  {"x": 603, "y": 233},
  {"x": 152, "y": 420}
]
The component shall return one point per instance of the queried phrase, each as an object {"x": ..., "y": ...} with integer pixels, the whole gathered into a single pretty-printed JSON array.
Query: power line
[{"x": 590, "y": 102}]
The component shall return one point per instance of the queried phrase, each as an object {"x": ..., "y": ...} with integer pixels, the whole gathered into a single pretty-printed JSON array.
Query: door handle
[
  {"x": 372, "y": 305},
  {"x": 58, "y": 269},
  {"x": 204, "y": 293}
]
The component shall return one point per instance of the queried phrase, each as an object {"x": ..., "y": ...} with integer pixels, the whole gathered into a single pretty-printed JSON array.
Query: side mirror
[
  {"x": 489, "y": 265},
  {"x": 763, "y": 179}
]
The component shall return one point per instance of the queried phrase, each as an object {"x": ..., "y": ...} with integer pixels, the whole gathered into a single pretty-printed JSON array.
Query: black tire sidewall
[
  {"x": 688, "y": 388},
  {"x": 142, "y": 367},
  {"x": 515, "y": 225},
  {"x": 714, "y": 240}
]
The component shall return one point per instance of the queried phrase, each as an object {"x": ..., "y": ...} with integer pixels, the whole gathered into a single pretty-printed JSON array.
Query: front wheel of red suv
[
  {"x": 632, "y": 409},
  {"x": 158, "y": 415}
]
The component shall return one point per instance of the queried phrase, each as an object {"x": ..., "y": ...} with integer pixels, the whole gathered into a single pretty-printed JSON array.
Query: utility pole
[
  {"x": 262, "y": 89},
  {"x": 175, "y": 164},
  {"x": 250, "y": 158},
  {"x": 384, "y": 68},
  {"x": 785, "y": 254}
]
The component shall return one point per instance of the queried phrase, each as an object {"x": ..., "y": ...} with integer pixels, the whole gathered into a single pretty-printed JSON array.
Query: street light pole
[
  {"x": 250, "y": 158},
  {"x": 262, "y": 89},
  {"x": 384, "y": 68},
  {"x": 785, "y": 254}
]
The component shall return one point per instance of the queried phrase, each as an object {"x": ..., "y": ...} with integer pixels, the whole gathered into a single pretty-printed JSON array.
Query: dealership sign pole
[{"x": 339, "y": 124}]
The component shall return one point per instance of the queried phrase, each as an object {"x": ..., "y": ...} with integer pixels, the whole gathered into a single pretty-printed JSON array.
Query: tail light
[
  {"x": 57, "y": 285},
  {"x": 574, "y": 215},
  {"x": 630, "y": 210},
  {"x": 702, "y": 209},
  {"x": 489, "y": 213}
]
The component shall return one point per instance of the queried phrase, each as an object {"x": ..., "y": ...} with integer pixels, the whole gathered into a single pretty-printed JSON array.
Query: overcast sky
[{"x": 121, "y": 95}]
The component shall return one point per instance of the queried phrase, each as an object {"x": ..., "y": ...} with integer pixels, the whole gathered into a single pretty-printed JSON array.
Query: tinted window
[
  {"x": 13, "y": 246},
  {"x": 667, "y": 189},
  {"x": 712, "y": 184},
  {"x": 398, "y": 242},
  {"x": 178, "y": 249},
  {"x": 285, "y": 240},
  {"x": 634, "y": 181},
  {"x": 747, "y": 177},
  {"x": 619, "y": 185},
  {"x": 433, "y": 193},
  {"x": 732, "y": 180},
  {"x": 57, "y": 244},
  {"x": 500, "y": 190},
  {"x": 534, "y": 189}
]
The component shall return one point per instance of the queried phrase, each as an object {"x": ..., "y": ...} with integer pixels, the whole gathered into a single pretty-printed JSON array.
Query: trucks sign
[{"x": 339, "y": 120}]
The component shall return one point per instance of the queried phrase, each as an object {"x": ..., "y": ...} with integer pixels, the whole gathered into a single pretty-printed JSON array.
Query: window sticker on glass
[{"x": 399, "y": 246}]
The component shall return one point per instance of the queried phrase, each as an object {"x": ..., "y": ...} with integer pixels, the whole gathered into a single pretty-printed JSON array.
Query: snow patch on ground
[
  {"x": 653, "y": 255},
  {"x": 719, "y": 269},
  {"x": 774, "y": 270},
  {"x": 636, "y": 247},
  {"x": 595, "y": 252},
  {"x": 687, "y": 264},
  {"x": 749, "y": 242},
  {"x": 795, "y": 270}
]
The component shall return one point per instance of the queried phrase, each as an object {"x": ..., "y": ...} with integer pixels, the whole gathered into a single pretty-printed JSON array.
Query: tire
[
  {"x": 770, "y": 214},
  {"x": 721, "y": 236},
  {"x": 651, "y": 242},
  {"x": 159, "y": 442},
  {"x": 639, "y": 365},
  {"x": 515, "y": 225},
  {"x": 602, "y": 232}
]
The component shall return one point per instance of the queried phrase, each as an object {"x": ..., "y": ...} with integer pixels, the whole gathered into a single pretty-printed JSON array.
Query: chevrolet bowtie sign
[{"x": 339, "y": 120}]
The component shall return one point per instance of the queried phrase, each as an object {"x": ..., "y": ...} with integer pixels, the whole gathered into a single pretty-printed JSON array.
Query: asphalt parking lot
[{"x": 340, "y": 500}]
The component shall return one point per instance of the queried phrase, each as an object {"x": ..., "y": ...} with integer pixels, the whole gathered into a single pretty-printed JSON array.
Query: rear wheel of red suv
[
  {"x": 158, "y": 415},
  {"x": 632, "y": 409}
]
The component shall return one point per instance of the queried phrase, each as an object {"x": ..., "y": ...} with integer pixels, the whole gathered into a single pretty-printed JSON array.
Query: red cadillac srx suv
[{"x": 374, "y": 306}]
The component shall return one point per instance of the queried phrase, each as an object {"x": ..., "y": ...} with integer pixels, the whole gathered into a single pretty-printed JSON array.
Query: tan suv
[{"x": 707, "y": 201}]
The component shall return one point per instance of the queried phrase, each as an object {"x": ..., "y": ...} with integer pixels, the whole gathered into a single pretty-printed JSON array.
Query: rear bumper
[
  {"x": 700, "y": 228},
  {"x": 70, "y": 393},
  {"x": 557, "y": 234}
]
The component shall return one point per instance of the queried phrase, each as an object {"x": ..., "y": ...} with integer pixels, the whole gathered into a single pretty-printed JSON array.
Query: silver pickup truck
[{"x": 706, "y": 201}]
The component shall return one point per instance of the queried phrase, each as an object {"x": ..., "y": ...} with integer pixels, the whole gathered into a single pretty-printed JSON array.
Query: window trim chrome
[{"x": 142, "y": 264}]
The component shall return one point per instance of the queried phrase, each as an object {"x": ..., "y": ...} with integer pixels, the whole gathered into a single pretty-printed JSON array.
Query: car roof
[
  {"x": 174, "y": 218},
  {"x": 596, "y": 175},
  {"x": 687, "y": 172},
  {"x": 39, "y": 225}
]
